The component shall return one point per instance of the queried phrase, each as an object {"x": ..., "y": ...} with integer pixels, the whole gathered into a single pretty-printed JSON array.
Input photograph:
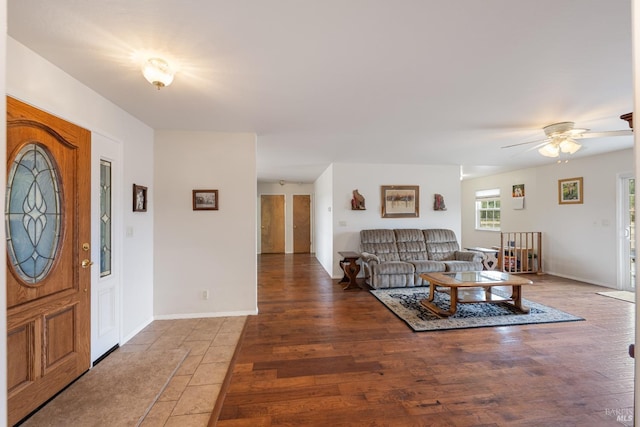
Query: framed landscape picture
[
  {"x": 205, "y": 200},
  {"x": 400, "y": 201},
  {"x": 570, "y": 191}
]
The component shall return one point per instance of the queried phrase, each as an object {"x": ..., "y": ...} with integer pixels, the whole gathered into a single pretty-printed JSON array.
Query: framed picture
[
  {"x": 517, "y": 190},
  {"x": 139, "y": 198},
  {"x": 205, "y": 200},
  {"x": 570, "y": 191},
  {"x": 400, "y": 201}
]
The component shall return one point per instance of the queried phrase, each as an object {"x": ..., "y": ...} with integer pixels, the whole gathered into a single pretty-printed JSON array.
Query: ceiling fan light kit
[
  {"x": 559, "y": 144},
  {"x": 561, "y": 135},
  {"x": 561, "y": 138}
]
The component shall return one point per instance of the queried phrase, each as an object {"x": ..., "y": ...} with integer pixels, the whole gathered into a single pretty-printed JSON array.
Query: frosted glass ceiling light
[
  {"x": 157, "y": 72},
  {"x": 549, "y": 150},
  {"x": 569, "y": 146}
]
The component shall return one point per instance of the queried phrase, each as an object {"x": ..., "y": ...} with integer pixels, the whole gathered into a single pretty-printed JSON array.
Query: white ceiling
[{"x": 371, "y": 81}]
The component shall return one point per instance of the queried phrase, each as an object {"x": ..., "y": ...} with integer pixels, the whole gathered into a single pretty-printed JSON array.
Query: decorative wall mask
[
  {"x": 438, "y": 203},
  {"x": 357, "y": 202}
]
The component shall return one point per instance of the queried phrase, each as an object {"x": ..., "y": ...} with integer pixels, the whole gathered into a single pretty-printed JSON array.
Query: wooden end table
[
  {"x": 473, "y": 287},
  {"x": 351, "y": 269},
  {"x": 489, "y": 257}
]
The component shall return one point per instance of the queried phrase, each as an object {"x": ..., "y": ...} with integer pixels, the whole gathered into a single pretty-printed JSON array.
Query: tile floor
[{"x": 191, "y": 394}]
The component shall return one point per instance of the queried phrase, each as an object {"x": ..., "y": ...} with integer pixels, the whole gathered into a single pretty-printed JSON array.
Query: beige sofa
[{"x": 395, "y": 258}]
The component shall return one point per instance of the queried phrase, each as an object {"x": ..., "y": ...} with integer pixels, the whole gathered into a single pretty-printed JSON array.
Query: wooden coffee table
[{"x": 473, "y": 287}]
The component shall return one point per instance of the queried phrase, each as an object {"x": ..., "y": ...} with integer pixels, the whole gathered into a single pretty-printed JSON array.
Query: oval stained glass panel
[{"x": 33, "y": 216}]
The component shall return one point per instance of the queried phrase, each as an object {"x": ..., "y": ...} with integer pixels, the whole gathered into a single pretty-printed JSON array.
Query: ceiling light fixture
[
  {"x": 157, "y": 72},
  {"x": 561, "y": 139}
]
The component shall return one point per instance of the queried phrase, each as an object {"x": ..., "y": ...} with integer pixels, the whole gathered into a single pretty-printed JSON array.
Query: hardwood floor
[{"x": 319, "y": 356}]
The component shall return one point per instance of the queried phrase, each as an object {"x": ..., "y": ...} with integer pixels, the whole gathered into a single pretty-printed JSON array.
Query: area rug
[
  {"x": 119, "y": 391},
  {"x": 623, "y": 295},
  {"x": 405, "y": 303}
]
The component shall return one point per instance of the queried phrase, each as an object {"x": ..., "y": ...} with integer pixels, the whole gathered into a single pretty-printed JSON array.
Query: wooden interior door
[
  {"x": 48, "y": 251},
  {"x": 302, "y": 224},
  {"x": 272, "y": 224}
]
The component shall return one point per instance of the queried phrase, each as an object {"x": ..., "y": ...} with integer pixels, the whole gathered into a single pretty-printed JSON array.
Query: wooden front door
[
  {"x": 301, "y": 224},
  {"x": 272, "y": 224},
  {"x": 48, "y": 251}
]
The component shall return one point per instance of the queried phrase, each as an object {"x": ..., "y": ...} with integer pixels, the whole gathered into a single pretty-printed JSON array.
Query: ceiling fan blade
[
  {"x": 537, "y": 141},
  {"x": 573, "y": 133},
  {"x": 604, "y": 134},
  {"x": 540, "y": 144},
  {"x": 583, "y": 133}
]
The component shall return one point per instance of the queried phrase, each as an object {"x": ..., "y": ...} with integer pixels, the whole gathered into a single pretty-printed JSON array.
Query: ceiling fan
[{"x": 561, "y": 138}]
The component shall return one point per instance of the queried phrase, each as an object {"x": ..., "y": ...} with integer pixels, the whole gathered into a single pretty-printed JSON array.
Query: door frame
[
  {"x": 623, "y": 282},
  {"x": 104, "y": 147}
]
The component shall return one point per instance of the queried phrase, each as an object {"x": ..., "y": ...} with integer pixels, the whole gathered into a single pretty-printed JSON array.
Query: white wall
[
  {"x": 198, "y": 251},
  {"x": 578, "y": 241},
  {"x": 367, "y": 179},
  {"x": 35, "y": 81},
  {"x": 527, "y": 219},
  {"x": 288, "y": 190}
]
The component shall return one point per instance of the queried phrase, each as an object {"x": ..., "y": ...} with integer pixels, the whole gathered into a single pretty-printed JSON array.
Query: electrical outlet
[{"x": 205, "y": 294}]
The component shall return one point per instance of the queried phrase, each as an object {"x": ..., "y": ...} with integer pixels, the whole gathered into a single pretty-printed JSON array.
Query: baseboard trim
[
  {"x": 136, "y": 331},
  {"x": 201, "y": 315},
  {"x": 581, "y": 279}
]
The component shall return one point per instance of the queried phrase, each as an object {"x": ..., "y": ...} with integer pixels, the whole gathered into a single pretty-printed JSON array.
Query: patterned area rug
[{"x": 405, "y": 303}]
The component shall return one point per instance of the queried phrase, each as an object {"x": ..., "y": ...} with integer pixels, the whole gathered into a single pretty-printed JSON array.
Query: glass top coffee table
[{"x": 473, "y": 287}]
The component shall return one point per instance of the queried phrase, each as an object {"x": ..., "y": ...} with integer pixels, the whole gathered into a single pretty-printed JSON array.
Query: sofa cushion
[
  {"x": 456, "y": 266},
  {"x": 428, "y": 266},
  {"x": 410, "y": 243},
  {"x": 441, "y": 244},
  {"x": 392, "y": 274},
  {"x": 393, "y": 267},
  {"x": 381, "y": 243},
  {"x": 382, "y": 281}
]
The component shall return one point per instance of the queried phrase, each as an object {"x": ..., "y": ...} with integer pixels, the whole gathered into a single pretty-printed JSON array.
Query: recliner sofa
[{"x": 395, "y": 258}]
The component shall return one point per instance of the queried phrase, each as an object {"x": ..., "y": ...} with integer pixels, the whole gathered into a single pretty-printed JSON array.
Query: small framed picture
[
  {"x": 205, "y": 200},
  {"x": 139, "y": 198},
  {"x": 517, "y": 190},
  {"x": 570, "y": 191}
]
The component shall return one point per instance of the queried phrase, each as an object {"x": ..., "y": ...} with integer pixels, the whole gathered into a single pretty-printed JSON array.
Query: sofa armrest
[
  {"x": 468, "y": 256},
  {"x": 369, "y": 258}
]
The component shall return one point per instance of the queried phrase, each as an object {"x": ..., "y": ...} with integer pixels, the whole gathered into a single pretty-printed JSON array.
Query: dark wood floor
[{"x": 319, "y": 356}]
